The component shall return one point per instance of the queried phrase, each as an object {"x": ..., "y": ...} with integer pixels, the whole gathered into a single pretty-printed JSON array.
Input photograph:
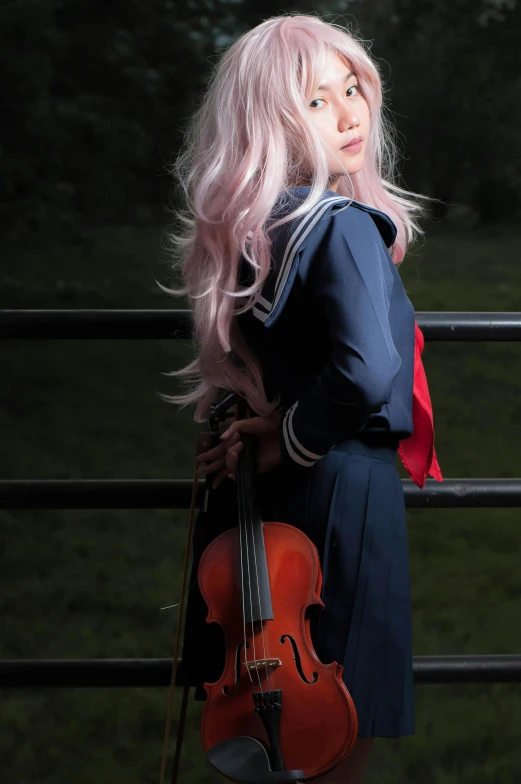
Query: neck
[{"x": 332, "y": 183}]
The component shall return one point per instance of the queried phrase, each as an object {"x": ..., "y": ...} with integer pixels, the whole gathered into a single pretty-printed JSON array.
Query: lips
[{"x": 353, "y": 141}]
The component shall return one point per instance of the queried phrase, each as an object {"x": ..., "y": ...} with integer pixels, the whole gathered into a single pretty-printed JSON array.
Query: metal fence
[{"x": 172, "y": 494}]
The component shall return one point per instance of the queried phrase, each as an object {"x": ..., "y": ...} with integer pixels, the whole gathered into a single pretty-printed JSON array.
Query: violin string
[
  {"x": 248, "y": 561},
  {"x": 258, "y": 590},
  {"x": 240, "y": 501}
]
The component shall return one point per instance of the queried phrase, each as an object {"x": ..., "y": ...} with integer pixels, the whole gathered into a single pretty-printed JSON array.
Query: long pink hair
[{"x": 248, "y": 142}]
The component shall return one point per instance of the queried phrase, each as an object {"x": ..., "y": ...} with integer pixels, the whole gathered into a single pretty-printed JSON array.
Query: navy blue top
[{"x": 334, "y": 327}]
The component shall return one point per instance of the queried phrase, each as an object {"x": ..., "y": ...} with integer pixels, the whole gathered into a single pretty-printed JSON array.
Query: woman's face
[{"x": 340, "y": 113}]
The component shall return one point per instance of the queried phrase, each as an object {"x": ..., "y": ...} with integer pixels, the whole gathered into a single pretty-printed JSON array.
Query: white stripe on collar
[{"x": 299, "y": 235}]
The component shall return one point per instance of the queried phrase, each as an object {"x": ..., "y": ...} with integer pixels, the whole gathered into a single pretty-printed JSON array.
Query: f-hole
[
  {"x": 226, "y": 689},
  {"x": 298, "y": 661}
]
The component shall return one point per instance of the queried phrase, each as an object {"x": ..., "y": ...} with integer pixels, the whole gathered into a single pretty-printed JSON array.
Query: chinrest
[{"x": 246, "y": 760}]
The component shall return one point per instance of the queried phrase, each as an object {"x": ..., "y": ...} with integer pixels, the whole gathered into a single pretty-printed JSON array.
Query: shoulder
[
  {"x": 331, "y": 209},
  {"x": 296, "y": 242}
]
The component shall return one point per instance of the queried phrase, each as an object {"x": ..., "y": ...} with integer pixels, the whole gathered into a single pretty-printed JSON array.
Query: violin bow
[{"x": 202, "y": 446}]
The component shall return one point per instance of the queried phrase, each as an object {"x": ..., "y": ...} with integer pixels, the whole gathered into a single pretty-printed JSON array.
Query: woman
[{"x": 298, "y": 308}]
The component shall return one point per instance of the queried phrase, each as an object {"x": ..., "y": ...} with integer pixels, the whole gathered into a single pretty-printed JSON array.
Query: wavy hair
[{"x": 247, "y": 143}]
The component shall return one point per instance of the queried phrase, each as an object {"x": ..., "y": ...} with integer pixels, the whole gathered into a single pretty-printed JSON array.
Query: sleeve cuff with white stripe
[{"x": 292, "y": 450}]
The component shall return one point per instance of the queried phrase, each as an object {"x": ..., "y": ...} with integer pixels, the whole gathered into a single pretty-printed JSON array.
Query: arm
[{"x": 347, "y": 276}]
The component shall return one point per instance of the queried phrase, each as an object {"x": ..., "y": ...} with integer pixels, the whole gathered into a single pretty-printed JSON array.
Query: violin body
[{"x": 270, "y": 660}]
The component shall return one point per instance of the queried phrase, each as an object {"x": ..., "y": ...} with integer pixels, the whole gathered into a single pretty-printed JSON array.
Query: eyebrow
[{"x": 327, "y": 86}]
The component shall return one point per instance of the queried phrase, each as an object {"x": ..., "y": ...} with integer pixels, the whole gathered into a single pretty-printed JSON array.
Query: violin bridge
[{"x": 262, "y": 664}]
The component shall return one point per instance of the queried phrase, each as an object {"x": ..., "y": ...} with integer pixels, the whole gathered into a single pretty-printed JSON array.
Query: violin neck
[{"x": 254, "y": 566}]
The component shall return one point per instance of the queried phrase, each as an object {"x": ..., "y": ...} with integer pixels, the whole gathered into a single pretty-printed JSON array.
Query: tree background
[{"x": 96, "y": 96}]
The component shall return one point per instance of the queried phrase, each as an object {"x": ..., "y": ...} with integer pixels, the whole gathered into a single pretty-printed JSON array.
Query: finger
[
  {"x": 235, "y": 449},
  {"x": 219, "y": 478},
  {"x": 209, "y": 454},
  {"x": 224, "y": 472},
  {"x": 216, "y": 451},
  {"x": 211, "y": 468},
  {"x": 219, "y": 481},
  {"x": 232, "y": 457},
  {"x": 251, "y": 425},
  {"x": 229, "y": 470}
]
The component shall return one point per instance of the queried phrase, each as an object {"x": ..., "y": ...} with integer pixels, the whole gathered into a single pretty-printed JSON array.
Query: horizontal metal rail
[
  {"x": 170, "y": 494},
  {"x": 102, "y": 673},
  {"x": 177, "y": 493},
  {"x": 166, "y": 324}
]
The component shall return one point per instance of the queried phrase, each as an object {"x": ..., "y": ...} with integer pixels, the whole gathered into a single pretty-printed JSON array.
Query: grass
[{"x": 90, "y": 583}]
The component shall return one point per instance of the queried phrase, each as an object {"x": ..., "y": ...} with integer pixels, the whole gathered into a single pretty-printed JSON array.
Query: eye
[{"x": 353, "y": 87}]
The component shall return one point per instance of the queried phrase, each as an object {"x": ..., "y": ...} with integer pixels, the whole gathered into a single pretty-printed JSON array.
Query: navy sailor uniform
[{"x": 333, "y": 331}]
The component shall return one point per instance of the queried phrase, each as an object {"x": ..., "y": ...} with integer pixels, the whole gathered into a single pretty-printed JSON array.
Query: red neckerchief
[{"x": 417, "y": 451}]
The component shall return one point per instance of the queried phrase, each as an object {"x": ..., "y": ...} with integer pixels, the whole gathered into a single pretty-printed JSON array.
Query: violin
[{"x": 277, "y": 713}]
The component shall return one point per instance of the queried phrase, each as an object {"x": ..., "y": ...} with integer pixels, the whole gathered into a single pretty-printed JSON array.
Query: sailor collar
[{"x": 276, "y": 289}]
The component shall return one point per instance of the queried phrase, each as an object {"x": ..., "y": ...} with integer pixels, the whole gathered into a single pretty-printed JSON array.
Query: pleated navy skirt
[{"x": 351, "y": 505}]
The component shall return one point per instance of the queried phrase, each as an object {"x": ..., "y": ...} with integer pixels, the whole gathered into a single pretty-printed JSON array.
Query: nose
[{"x": 347, "y": 118}]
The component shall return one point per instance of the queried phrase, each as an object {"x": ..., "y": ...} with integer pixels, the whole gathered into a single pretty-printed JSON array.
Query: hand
[
  {"x": 222, "y": 458},
  {"x": 216, "y": 457},
  {"x": 225, "y": 455}
]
